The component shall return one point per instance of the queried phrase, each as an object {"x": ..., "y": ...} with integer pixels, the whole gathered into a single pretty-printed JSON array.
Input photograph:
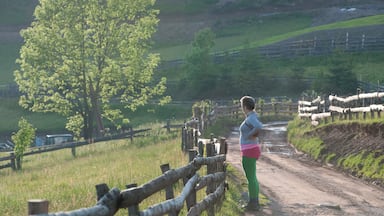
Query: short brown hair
[{"x": 248, "y": 102}]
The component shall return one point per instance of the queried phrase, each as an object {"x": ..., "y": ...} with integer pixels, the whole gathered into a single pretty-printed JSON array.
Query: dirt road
[{"x": 297, "y": 186}]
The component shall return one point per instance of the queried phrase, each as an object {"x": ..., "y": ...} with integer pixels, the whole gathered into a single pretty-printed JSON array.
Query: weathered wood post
[
  {"x": 73, "y": 150},
  {"x": 210, "y": 149},
  {"x": 349, "y": 115},
  {"x": 168, "y": 126},
  {"x": 13, "y": 162},
  {"x": 133, "y": 210},
  {"x": 201, "y": 149},
  {"x": 183, "y": 138},
  {"x": 101, "y": 190},
  {"x": 223, "y": 146},
  {"x": 131, "y": 133},
  {"x": 222, "y": 150},
  {"x": 169, "y": 189},
  {"x": 37, "y": 206},
  {"x": 190, "y": 139},
  {"x": 191, "y": 199},
  {"x": 195, "y": 137}
]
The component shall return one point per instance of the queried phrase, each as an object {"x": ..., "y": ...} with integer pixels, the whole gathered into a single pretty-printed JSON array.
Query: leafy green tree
[
  {"x": 199, "y": 68},
  {"x": 79, "y": 56},
  {"x": 22, "y": 139},
  {"x": 248, "y": 78},
  {"x": 339, "y": 79}
]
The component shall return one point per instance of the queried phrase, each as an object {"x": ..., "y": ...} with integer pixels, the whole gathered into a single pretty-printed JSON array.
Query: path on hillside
[{"x": 296, "y": 186}]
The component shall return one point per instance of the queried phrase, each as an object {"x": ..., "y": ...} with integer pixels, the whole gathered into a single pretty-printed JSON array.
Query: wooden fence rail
[
  {"x": 111, "y": 201},
  {"x": 72, "y": 145},
  {"x": 272, "y": 108},
  {"x": 356, "y": 42},
  {"x": 343, "y": 107}
]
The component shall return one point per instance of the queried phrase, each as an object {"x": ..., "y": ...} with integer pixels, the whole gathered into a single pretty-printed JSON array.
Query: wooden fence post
[
  {"x": 168, "y": 126},
  {"x": 37, "y": 206},
  {"x": 201, "y": 149},
  {"x": 133, "y": 210},
  {"x": 73, "y": 150},
  {"x": 131, "y": 133},
  {"x": 195, "y": 137},
  {"x": 190, "y": 139},
  {"x": 183, "y": 138},
  {"x": 168, "y": 190},
  {"x": 191, "y": 198},
  {"x": 101, "y": 190},
  {"x": 222, "y": 150},
  {"x": 13, "y": 162},
  {"x": 210, "y": 149},
  {"x": 223, "y": 146}
]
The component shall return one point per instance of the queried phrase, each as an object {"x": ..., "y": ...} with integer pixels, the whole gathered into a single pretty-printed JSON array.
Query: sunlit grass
[
  {"x": 69, "y": 183},
  {"x": 358, "y": 22},
  {"x": 9, "y": 52}
]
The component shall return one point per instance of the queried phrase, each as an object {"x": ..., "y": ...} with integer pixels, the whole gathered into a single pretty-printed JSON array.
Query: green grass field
[
  {"x": 69, "y": 183},
  {"x": 11, "y": 112},
  {"x": 9, "y": 52}
]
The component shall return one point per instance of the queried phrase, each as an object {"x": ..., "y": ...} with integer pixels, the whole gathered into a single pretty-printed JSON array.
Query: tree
[
  {"x": 199, "y": 67},
  {"x": 22, "y": 139},
  {"x": 79, "y": 56},
  {"x": 339, "y": 78}
]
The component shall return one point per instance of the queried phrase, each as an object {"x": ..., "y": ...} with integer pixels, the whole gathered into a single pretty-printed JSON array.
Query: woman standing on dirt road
[{"x": 250, "y": 149}]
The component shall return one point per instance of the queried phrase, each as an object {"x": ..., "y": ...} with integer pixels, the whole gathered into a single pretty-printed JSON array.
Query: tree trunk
[{"x": 96, "y": 113}]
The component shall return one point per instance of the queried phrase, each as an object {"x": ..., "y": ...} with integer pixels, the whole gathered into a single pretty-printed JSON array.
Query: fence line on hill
[
  {"x": 271, "y": 108},
  {"x": 14, "y": 162},
  {"x": 342, "y": 107},
  {"x": 315, "y": 46}
]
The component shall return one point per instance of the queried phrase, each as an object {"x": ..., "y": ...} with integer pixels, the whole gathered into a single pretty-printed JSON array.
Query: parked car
[
  {"x": 58, "y": 138},
  {"x": 6, "y": 146}
]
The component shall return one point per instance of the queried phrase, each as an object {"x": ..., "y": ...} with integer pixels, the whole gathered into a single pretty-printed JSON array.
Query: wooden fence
[
  {"x": 272, "y": 108},
  {"x": 350, "y": 42},
  {"x": 315, "y": 46},
  {"x": 14, "y": 163},
  {"x": 342, "y": 107},
  {"x": 111, "y": 201}
]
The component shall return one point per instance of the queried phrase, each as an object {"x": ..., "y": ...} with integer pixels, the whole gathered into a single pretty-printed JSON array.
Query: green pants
[{"x": 249, "y": 166}]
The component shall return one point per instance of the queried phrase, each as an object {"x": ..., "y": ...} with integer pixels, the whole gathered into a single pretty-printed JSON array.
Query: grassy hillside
[
  {"x": 234, "y": 29},
  {"x": 16, "y": 12}
]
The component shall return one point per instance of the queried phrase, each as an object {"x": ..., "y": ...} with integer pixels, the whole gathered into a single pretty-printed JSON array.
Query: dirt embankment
[{"x": 351, "y": 140}]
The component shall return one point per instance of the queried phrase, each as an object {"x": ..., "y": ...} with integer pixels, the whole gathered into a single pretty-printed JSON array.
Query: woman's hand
[{"x": 254, "y": 135}]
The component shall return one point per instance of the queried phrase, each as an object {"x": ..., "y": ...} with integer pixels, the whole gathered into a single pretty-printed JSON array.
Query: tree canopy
[
  {"x": 199, "y": 70},
  {"x": 80, "y": 56}
]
